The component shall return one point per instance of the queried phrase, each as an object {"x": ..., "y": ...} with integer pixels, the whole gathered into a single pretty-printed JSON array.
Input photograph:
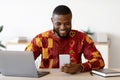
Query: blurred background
[{"x": 23, "y": 19}]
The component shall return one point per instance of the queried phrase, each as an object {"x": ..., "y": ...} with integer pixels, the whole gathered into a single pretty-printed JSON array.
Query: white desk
[{"x": 55, "y": 74}]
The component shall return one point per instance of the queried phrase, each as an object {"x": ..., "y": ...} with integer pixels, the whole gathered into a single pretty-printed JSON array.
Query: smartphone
[{"x": 64, "y": 59}]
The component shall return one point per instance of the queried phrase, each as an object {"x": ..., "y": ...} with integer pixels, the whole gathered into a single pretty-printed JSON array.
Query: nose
[{"x": 62, "y": 26}]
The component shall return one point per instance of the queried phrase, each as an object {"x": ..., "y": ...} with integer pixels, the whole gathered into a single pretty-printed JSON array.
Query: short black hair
[{"x": 62, "y": 10}]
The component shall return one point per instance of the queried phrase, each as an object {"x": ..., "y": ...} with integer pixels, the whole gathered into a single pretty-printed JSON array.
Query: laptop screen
[{"x": 17, "y": 63}]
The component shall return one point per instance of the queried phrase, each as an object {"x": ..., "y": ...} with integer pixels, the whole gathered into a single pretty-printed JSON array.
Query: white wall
[{"x": 30, "y": 17}]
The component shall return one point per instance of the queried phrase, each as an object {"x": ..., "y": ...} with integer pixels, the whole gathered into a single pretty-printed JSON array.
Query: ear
[{"x": 52, "y": 20}]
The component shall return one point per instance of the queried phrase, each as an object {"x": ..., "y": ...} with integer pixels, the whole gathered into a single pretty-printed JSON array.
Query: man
[{"x": 63, "y": 40}]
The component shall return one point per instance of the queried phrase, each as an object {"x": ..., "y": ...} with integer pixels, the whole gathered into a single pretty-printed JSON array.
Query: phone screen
[{"x": 64, "y": 59}]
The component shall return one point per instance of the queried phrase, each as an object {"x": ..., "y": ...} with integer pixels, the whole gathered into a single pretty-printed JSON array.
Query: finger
[
  {"x": 62, "y": 68},
  {"x": 66, "y": 70},
  {"x": 67, "y": 65}
]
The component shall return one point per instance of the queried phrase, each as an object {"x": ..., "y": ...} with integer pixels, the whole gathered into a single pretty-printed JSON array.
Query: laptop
[{"x": 19, "y": 64}]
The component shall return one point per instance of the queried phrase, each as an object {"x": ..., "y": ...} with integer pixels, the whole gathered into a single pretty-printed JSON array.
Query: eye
[
  {"x": 67, "y": 24},
  {"x": 57, "y": 24}
]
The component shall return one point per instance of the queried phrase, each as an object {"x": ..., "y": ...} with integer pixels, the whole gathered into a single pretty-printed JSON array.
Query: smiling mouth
[{"x": 63, "y": 32}]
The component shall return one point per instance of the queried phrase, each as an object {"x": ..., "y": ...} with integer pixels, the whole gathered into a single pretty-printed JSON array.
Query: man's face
[{"x": 61, "y": 24}]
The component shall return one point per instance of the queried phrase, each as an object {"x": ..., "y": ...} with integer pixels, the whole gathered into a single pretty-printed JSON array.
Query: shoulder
[
  {"x": 77, "y": 33},
  {"x": 44, "y": 34}
]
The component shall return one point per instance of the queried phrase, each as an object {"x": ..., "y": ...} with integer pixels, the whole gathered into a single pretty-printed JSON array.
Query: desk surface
[{"x": 57, "y": 74}]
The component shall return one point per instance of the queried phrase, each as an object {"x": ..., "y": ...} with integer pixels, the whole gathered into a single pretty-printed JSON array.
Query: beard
[{"x": 57, "y": 32}]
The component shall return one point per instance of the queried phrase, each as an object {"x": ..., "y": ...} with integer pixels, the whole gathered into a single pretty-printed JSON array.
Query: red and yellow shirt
[{"x": 77, "y": 43}]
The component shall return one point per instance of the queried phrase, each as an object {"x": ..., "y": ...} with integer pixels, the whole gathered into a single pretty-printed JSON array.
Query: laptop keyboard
[{"x": 42, "y": 73}]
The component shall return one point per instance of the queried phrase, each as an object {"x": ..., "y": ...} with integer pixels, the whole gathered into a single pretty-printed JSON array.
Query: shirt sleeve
[
  {"x": 94, "y": 57},
  {"x": 35, "y": 46}
]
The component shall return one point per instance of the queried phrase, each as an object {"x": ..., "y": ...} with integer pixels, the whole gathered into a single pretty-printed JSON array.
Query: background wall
[{"x": 30, "y": 17}]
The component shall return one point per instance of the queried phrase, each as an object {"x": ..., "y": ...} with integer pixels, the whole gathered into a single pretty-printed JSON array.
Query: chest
[{"x": 65, "y": 46}]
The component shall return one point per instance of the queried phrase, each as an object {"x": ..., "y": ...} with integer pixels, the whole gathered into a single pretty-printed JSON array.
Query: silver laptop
[{"x": 19, "y": 64}]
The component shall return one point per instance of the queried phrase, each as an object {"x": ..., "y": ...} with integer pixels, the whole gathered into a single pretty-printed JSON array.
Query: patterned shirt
[{"x": 77, "y": 43}]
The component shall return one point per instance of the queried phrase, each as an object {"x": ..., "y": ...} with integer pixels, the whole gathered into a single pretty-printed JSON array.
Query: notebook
[
  {"x": 19, "y": 64},
  {"x": 106, "y": 72}
]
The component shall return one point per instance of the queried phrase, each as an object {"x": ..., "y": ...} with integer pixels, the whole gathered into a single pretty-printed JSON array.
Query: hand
[{"x": 71, "y": 68}]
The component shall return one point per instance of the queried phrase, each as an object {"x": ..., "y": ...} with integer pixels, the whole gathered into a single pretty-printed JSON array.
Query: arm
[
  {"x": 95, "y": 60},
  {"x": 35, "y": 46}
]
